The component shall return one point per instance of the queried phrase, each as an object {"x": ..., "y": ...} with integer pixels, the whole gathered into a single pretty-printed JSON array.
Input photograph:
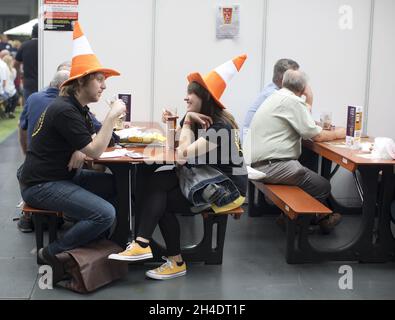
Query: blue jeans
[{"x": 85, "y": 199}]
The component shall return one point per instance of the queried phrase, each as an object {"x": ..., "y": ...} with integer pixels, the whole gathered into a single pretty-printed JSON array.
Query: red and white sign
[
  {"x": 60, "y": 14},
  {"x": 61, "y": 2}
]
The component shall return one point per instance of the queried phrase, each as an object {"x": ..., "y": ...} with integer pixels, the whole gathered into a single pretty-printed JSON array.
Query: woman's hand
[
  {"x": 165, "y": 114},
  {"x": 200, "y": 119},
  {"x": 77, "y": 160}
]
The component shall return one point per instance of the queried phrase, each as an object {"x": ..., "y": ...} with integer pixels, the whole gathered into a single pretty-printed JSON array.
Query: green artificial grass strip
[{"x": 8, "y": 126}]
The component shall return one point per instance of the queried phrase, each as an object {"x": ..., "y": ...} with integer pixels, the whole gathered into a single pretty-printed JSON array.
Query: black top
[
  {"x": 62, "y": 128},
  {"x": 28, "y": 55},
  {"x": 5, "y": 46},
  {"x": 228, "y": 156}
]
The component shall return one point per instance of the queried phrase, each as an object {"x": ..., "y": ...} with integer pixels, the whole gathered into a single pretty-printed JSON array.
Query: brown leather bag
[{"x": 89, "y": 267}]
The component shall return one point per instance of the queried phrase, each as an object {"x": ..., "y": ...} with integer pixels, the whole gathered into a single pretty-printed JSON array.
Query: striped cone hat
[
  {"x": 84, "y": 60},
  {"x": 217, "y": 80}
]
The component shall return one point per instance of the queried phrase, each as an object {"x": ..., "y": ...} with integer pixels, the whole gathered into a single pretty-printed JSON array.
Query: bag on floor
[{"x": 89, "y": 268}]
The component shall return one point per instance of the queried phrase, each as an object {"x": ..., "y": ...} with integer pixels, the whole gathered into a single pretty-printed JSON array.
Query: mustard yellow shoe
[
  {"x": 133, "y": 252},
  {"x": 168, "y": 270}
]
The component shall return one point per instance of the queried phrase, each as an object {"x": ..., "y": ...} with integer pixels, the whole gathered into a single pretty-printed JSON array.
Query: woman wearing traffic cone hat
[
  {"x": 210, "y": 132},
  {"x": 51, "y": 177}
]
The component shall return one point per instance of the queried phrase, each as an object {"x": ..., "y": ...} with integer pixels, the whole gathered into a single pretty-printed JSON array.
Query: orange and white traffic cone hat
[
  {"x": 84, "y": 60},
  {"x": 217, "y": 80}
]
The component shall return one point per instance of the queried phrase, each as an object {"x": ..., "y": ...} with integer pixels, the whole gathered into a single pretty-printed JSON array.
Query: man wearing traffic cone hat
[
  {"x": 211, "y": 133},
  {"x": 51, "y": 176},
  {"x": 84, "y": 60}
]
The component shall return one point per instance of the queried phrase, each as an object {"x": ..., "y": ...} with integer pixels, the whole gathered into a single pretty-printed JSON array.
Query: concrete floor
[{"x": 254, "y": 266}]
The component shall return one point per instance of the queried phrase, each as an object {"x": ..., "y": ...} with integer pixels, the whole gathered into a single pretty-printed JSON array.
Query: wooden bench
[
  {"x": 40, "y": 218},
  {"x": 300, "y": 208},
  {"x": 205, "y": 251}
]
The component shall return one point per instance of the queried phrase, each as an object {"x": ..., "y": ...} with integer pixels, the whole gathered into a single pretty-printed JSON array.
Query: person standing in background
[
  {"x": 28, "y": 56},
  {"x": 3, "y": 82},
  {"x": 10, "y": 88},
  {"x": 4, "y": 45}
]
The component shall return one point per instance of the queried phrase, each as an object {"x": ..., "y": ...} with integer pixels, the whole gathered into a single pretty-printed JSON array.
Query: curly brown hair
[{"x": 72, "y": 88}]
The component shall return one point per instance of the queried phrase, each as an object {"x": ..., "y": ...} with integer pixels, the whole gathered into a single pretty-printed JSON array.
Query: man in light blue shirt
[{"x": 280, "y": 67}]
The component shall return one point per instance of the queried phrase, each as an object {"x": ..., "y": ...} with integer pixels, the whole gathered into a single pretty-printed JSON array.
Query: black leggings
[{"x": 162, "y": 200}]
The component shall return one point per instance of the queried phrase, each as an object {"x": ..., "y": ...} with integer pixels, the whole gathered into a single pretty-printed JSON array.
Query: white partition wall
[
  {"x": 381, "y": 113},
  {"x": 334, "y": 59},
  {"x": 120, "y": 33},
  {"x": 186, "y": 42},
  {"x": 156, "y": 43}
]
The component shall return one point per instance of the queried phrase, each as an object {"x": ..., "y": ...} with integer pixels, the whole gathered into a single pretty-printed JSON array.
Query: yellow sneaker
[
  {"x": 133, "y": 252},
  {"x": 168, "y": 270}
]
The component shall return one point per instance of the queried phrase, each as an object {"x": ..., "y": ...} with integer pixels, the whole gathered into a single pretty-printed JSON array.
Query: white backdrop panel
[
  {"x": 120, "y": 33},
  {"x": 186, "y": 42},
  {"x": 334, "y": 59},
  {"x": 382, "y": 84}
]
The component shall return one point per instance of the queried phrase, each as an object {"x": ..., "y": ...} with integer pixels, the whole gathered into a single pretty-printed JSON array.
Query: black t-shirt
[
  {"x": 5, "y": 46},
  {"x": 28, "y": 55},
  {"x": 228, "y": 156},
  {"x": 63, "y": 128}
]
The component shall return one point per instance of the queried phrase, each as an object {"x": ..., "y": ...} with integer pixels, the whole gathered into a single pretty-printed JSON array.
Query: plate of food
[{"x": 136, "y": 137}]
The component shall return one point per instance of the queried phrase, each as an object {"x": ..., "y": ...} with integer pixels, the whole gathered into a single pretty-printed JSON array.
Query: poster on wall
[
  {"x": 228, "y": 22},
  {"x": 59, "y": 15}
]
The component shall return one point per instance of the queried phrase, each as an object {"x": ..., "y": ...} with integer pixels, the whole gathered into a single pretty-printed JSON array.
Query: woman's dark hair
[{"x": 210, "y": 107}]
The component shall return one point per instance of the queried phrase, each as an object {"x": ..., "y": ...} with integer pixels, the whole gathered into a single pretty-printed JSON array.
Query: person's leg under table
[
  {"x": 152, "y": 211},
  {"x": 326, "y": 172},
  {"x": 94, "y": 215},
  {"x": 169, "y": 225},
  {"x": 156, "y": 201}
]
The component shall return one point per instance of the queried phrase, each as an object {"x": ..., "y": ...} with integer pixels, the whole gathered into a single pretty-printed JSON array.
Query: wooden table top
[
  {"x": 156, "y": 154},
  {"x": 338, "y": 152},
  {"x": 159, "y": 155}
]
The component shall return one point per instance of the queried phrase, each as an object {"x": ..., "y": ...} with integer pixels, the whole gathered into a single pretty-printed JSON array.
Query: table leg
[
  {"x": 326, "y": 169},
  {"x": 385, "y": 237},
  {"x": 361, "y": 248}
]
